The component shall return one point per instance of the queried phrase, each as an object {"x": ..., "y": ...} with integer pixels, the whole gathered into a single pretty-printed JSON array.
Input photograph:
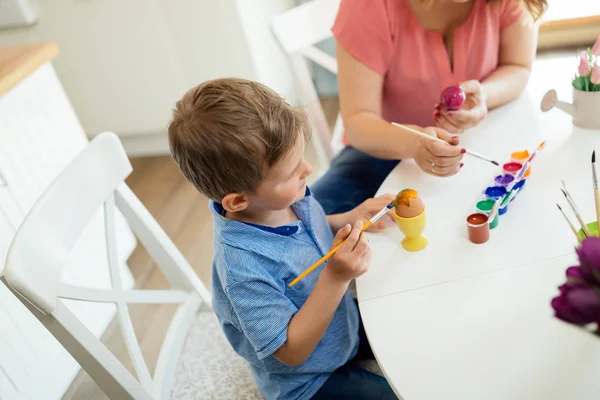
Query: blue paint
[{"x": 495, "y": 192}]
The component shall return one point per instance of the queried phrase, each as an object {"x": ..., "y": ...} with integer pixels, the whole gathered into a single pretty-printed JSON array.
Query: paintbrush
[
  {"x": 596, "y": 193},
  {"x": 436, "y": 139},
  {"x": 494, "y": 210},
  {"x": 569, "y": 222},
  {"x": 331, "y": 252},
  {"x": 524, "y": 169},
  {"x": 527, "y": 164},
  {"x": 575, "y": 210}
]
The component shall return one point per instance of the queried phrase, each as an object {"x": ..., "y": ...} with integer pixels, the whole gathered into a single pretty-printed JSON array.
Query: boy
[{"x": 242, "y": 146}]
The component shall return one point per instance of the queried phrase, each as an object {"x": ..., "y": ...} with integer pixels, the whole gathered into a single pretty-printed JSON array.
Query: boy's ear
[{"x": 235, "y": 202}]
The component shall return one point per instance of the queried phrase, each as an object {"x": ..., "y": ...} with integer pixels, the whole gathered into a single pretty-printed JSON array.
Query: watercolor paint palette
[{"x": 497, "y": 189}]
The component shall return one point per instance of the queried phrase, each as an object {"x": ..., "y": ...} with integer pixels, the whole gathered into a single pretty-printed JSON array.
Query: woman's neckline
[{"x": 472, "y": 12}]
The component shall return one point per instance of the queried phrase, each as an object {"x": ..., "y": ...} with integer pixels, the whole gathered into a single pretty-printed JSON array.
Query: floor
[{"x": 184, "y": 215}]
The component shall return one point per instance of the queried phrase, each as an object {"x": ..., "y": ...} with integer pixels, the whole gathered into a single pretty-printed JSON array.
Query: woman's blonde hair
[{"x": 536, "y": 8}]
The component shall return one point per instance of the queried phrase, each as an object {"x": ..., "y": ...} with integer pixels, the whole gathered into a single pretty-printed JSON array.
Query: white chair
[
  {"x": 298, "y": 30},
  {"x": 42, "y": 244}
]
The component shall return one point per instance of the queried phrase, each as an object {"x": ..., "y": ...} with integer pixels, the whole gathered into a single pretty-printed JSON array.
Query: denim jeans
[
  {"x": 352, "y": 178},
  {"x": 351, "y": 382}
]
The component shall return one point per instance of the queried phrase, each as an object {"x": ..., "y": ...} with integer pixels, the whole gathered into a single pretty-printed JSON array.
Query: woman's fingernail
[
  {"x": 437, "y": 115},
  {"x": 438, "y": 107},
  {"x": 461, "y": 165},
  {"x": 463, "y": 151}
]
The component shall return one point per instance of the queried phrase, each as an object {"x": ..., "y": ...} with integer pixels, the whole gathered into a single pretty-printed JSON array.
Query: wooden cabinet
[{"x": 39, "y": 135}]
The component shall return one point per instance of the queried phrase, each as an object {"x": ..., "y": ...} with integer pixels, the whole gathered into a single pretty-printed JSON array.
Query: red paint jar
[
  {"x": 478, "y": 228},
  {"x": 512, "y": 168}
]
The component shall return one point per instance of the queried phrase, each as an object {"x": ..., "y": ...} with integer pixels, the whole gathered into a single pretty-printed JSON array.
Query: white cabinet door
[{"x": 39, "y": 135}]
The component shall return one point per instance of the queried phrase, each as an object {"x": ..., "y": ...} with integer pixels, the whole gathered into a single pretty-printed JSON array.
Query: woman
[{"x": 395, "y": 57}]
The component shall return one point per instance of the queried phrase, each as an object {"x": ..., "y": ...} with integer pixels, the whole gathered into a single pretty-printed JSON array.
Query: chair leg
[{"x": 100, "y": 364}]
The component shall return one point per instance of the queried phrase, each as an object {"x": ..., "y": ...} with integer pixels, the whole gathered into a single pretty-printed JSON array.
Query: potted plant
[
  {"x": 586, "y": 91},
  {"x": 579, "y": 300}
]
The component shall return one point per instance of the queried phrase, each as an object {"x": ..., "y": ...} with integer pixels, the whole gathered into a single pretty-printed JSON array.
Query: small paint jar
[
  {"x": 520, "y": 156},
  {"x": 478, "y": 228},
  {"x": 512, "y": 168},
  {"x": 485, "y": 207},
  {"x": 504, "y": 180},
  {"x": 495, "y": 192}
]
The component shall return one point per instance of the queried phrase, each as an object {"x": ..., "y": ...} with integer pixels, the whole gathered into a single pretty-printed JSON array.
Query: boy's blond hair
[{"x": 226, "y": 132}]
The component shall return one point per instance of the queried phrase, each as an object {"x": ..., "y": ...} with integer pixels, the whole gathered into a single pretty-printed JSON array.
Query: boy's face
[{"x": 284, "y": 183}]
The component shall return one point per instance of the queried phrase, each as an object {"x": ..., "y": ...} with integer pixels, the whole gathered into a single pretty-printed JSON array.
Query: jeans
[
  {"x": 352, "y": 178},
  {"x": 351, "y": 382}
]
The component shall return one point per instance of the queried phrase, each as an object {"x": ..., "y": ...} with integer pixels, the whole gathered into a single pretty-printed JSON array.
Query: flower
[
  {"x": 596, "y": 48},
  {"x": 595, "y": 74},
  {"x": 589, "y": 260},
  {"x": 577, "y": 304},
  {"x": 584, "y": 64}
]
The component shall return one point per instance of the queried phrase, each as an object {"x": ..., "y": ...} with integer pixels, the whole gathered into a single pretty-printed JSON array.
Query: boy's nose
[{"x": 308, "y": 169}]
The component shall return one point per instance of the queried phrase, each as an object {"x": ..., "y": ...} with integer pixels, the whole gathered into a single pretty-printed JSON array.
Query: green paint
[{"x": 485, "y": 206}]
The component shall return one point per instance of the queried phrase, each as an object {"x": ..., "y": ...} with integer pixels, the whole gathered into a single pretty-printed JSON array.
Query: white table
[{"x": 465, "y": 321}]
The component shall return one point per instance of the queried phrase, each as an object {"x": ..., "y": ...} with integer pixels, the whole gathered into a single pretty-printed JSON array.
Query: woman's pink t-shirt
[{"x": 386, "y": 36}]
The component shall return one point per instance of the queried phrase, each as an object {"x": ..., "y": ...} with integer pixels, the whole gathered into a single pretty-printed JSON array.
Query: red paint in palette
[{"x": 512, "y": 167}]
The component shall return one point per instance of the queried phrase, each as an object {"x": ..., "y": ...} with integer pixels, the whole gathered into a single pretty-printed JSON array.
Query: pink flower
[
  {"x": 584, "y": 64},
  {"x": 596, "y": 75},
  {"x": 596, "y": 48}
]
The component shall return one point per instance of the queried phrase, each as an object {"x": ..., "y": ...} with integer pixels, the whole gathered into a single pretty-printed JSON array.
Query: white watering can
[{"x": 585, "y": 108}]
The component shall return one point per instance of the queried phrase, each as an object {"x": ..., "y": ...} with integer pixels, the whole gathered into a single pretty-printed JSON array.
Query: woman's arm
[
  {"x": 517, "y": 53},
  {"x": 360, "y": 105}
]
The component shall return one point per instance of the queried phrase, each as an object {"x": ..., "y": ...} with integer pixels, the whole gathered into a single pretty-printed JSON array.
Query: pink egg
[{"x": 452, "y": 98}]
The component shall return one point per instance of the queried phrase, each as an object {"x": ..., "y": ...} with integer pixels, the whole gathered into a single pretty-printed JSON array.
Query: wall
[
  {"x": 125, "y": 63},
  {"x": 269, "y": 61}
]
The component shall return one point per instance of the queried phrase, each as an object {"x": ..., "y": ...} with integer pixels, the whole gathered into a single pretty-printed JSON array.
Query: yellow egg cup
[{"x": 413, "y": 229}]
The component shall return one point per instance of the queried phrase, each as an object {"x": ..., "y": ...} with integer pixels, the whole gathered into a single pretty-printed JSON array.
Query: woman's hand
[
  {"x": 437, "y": 158},
  {"x": 473, "y": 111}
]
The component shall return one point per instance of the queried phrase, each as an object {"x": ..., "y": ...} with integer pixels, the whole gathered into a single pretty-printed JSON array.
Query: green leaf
[{"x": 579, "y": 83}]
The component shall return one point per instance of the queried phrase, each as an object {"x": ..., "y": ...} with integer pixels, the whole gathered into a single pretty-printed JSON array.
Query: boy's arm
[{"x": 310, "y": 323}]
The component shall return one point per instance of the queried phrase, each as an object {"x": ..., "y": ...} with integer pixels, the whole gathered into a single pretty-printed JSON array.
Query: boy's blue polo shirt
[{"x": 252, "y": 267}]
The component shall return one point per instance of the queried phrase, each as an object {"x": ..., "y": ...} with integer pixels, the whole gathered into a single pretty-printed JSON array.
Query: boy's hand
[
  {"x": 369, "y": 208},
  {"x": 353, "y": 257}
]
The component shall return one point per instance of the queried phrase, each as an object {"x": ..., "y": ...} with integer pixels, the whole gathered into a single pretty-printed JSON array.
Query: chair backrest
[
  {"x": 48, "y": 234},
  {"x": 298, "y": 30}
]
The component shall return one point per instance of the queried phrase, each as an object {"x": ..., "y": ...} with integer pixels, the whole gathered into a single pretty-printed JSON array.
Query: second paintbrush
[{"x": 426, "y": 136}]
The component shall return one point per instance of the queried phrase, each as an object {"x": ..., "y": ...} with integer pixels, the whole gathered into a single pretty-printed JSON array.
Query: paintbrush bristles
[{"x": 593, "y": 156}]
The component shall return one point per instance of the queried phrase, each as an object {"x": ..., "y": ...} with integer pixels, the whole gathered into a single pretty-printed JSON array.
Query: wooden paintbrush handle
[{"x": 325, "y": 257}]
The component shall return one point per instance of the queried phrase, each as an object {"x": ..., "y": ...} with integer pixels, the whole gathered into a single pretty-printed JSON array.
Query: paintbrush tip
[
  {"x": 593, "y": 156},
  {"x": 563, "y": 192},
  {"x": 558, "y": 207},
  {"x": 496, "y": 163}
]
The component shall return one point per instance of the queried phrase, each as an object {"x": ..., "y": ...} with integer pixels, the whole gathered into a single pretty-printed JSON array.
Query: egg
[
  {"x": 453, "y": 97},
  {"x": 409, "y": 204}
]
